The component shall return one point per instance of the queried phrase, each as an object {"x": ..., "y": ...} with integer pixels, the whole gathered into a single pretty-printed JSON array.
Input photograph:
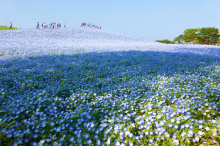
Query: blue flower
[
  {"x": 187, "y": 125},
  {"x": 150, "y": 140},
  {"x": 176, "y": 126},
  {"x": 96, "y": 136},
  {"x": 9, "y": 135},
  {"x": 52, "y": 124},
  {"x": 44, "y": 124},
  {"x": 70, "y": 128},
  {"x": 89, "y": 141},
  {"x": 58, "y": 129},
  {"x": 55, "y": 108},
  {"x": 26, "y": 140},
  {"x": 34, "y": 144},
  {"x": 86, "y": 136},
  {"x": 15, "y": 144},
  {"x": 146, "y": 132},
  {"x": 200, "y": 126},
  {"x": 182, "y": 126},
  {"x": 36, "y": 131},
  {"x": 98, "y": 142},
  {"x": 72, "y": 139},
  {"x": 35, "y": 136},
  {"x": 19, "y": 141},
  {"x": 214, "y": 122},
  {"x": 62, "y": 138},
  {"x": 62, "y": 120}
]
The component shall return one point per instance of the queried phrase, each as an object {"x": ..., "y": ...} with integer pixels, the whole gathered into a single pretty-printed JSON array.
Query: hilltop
[{"x": 84, "y": 39}]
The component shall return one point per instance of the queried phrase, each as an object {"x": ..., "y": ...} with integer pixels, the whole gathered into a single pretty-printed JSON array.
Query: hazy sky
[{"x": 149, "y": 19}]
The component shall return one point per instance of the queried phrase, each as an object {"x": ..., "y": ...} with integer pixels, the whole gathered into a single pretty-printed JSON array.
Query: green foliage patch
[{"x": 6, "y": 28}]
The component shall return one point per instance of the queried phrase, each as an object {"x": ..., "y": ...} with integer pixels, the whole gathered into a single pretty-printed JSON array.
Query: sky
[{"x": 149, "y": 19}]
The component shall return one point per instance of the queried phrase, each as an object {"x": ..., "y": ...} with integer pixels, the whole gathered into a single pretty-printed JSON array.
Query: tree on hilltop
[
  {"x": 209, "y": 35},
  {"x": 166, "y": 41},
  {"x": 191, "y": 35}
]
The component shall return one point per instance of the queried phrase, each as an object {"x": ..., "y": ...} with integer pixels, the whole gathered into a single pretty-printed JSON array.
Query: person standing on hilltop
[
  {"x": 65, "y": 25},
  {"x": 10, "y": 26}
]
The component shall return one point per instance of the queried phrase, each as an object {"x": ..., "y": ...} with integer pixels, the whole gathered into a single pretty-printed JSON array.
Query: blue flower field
[{"x": 88, "y": 87}]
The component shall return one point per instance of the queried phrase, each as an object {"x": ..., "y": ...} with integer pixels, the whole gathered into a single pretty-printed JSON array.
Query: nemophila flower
[
  {"x": 52, "y": 124},
  {"x": 176, "y": 142},
  {"x": 214, "y": 134},
  {"x": 127, "y": 132},
  {"x": 187, "y": 125},
  {"x": 117, "y": 143},
  {"x": 174, "y": 136},
  {"x": 150, "y": 140},
  {"x": 41, "y": 142},
  {"x": 96, "y": 136},
  {"x": 58, "y": 129},
  {"x": 79, "y": 140},
  {"x": 72, "y": 139},
  {"x": 146, "y": 132},
  {"x": 182, "y": 126},
  {"x": 15, "y": 144},
  {"x": 34, "y": 144},
  {"x": 109, "y": 141},
  {"x": 98, "y": 142},
  {"x": 200, "y": 126},
  {"x": 197, "y": 139},
  {"x": 201, "y": 133},
  {"x": 167, "y": 134},
  {"x": 89, "y": 141},
  {"x": 19, "y": 141},
  {"x": 63, "y": 137},
  {"x": 183, "y": 134},
  {"x": 137, "y": 137},
  {"x": 36, "y": 131},
  {"x": 214, "y": 122},
  {"x": 130, "y": 135},
  {"x": 190, "y": 133},
  {"x": 26, "y": 140},
  {"x": 214, "y": 141},
  {"x": 9, "y": 135},
  {"x": 35, "y": 135}
]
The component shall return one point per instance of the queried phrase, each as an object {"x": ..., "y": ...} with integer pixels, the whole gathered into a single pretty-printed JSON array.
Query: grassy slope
[{"x": 6, "y": 28}]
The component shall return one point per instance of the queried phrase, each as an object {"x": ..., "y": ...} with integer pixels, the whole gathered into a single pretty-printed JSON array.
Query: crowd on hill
[
  {"x": 84, "y": 24},
  {"x": 51, "y": 25},
  {"x": 55, "y": 25}
]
